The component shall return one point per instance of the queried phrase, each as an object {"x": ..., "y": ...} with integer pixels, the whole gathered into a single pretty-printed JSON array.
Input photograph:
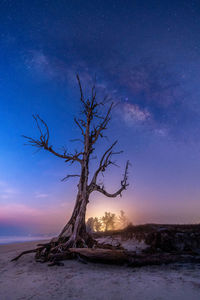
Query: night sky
[{"x": 145, "y": 55}]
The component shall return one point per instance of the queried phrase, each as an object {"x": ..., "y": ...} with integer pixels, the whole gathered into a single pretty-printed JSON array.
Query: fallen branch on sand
[
  {"x": 132, "y": 259},
  {"x": 119, "y": 257},
  {"x": 26, "y": 252}
]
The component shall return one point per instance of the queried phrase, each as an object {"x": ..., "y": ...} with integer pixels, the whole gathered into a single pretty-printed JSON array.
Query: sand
[{"x": 26, "y": 279}]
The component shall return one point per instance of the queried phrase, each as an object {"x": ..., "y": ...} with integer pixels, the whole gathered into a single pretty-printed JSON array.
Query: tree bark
[{"x": 75, "y": 229}]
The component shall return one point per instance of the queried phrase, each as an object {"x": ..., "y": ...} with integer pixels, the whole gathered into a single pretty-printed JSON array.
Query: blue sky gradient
[{"x": 146, "y": 56}]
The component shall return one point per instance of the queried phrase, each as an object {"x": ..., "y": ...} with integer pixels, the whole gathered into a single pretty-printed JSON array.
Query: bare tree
[
  {"x": 92, "y": 125},
  {"x": 94, "y": 224},
  {"x": 122, "y": 219},
  {"x": 97, "y": 224},
  {"x": 108, "y": 221}
]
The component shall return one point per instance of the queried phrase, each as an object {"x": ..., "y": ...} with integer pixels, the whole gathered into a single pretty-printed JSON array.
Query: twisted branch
[
  {"x": 70, "y": 176},
  {"x": 124, "y": 185},
  {"x": 43, "y": 143},
  {"x": 104, "y": 163},
  {"x": 97, "y": 131}
]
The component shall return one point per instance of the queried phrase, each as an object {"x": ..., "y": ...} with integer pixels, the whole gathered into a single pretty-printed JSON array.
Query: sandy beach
[{"x": 26, "y": 279}]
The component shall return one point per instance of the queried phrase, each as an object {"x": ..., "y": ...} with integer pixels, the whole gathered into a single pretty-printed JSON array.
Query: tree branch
[
  {"x": 104, "y": 162},
  {"x": 124, "y": 185},
  {"x": 70, "y": 176},
  {"x": 97, "y": 131},
  {"x": 79, "y": 126},
  {"x": 43, "y": 143},
  {"x": 81, "y": 90}
]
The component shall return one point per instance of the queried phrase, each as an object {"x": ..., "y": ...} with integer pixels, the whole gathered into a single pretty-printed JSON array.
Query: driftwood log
[
  {"x": 131, "y": 258},
  {"x": 119, "y": 257},
  {"x": 101, "y": 255}
]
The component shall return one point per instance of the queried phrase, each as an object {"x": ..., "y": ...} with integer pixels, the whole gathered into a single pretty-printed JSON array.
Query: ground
[{"x": 26, "y": 279}]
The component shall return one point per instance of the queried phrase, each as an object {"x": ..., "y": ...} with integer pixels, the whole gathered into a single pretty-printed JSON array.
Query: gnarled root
[
  {"x": 57, "y": 249},
  {"x": 23, "y": 253},
  {"x": 55, "y": 252}
]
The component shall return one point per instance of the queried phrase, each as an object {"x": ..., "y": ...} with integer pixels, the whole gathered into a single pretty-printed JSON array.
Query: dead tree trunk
[{"x": 74, "y": 233}]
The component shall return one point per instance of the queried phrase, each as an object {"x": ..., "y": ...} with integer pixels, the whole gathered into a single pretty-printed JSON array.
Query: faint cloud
[
  {"x": 153, "y": 82},
  {"x": 38, "y": 62},
  {"x": 132, "y": 113},
  {"x": 41, "y": 195},
  {"x": 17, "y": 211},
  {"x": 6, "y": 191},
  {"x": 17, "y": 208},
  {"x": 64, "y": 70},
  {"x": 51, "y": 68},
  {"x": 161, "y": 132}
]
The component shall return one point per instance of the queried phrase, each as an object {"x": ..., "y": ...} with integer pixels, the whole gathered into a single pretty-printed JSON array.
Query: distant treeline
[{"x": 109, "y": 221}]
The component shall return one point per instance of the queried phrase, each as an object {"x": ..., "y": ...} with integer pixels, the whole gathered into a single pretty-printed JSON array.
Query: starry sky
[{"x": 145, "y": 55}]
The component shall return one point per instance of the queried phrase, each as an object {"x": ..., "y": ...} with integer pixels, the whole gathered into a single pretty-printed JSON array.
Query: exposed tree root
[
  {"x": 58, "y": 249},
  {"x": 24, "y": 252},
  {"x": 55, "y": 252}
]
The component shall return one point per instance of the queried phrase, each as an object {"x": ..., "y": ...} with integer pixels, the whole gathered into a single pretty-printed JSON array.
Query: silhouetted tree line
[{"x": 109, "y": 221}]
